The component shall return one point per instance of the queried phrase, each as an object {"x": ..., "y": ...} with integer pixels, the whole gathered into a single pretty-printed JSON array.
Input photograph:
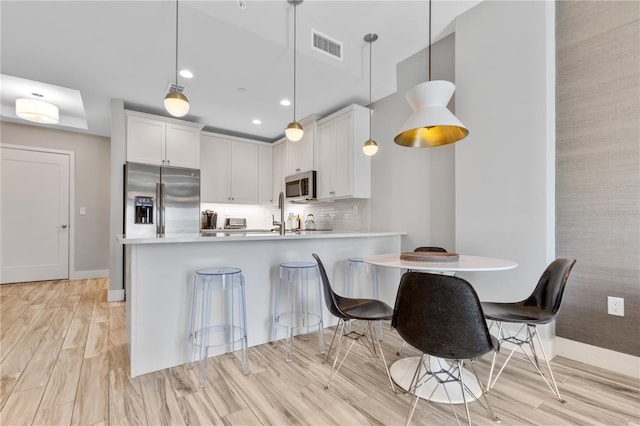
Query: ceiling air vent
[{"x": 327, "y": 45}]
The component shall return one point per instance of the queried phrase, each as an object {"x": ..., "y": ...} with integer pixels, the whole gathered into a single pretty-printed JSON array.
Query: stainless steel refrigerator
[{"x": 161, "y": 201}]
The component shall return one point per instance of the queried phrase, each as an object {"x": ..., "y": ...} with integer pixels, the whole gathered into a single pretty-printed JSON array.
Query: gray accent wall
[
  {"x": 598, "y": 169},
  {"x": 91, "y": 182}
]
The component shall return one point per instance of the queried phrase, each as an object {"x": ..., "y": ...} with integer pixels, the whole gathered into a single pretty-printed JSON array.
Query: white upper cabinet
[
  {"x": 162, "y": 141},
  {"x": 243, "y": 185},
  {"x": 343, "y": 169},
  {"x": 300, "y": 154},
  {"x": 229, "y": 170},
  {"x": 279, "y": 152},
  {"x": 265, "y": 174}
]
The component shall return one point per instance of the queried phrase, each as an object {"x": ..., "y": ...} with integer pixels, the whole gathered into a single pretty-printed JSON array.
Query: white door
[{"x": 34, "y": 215}]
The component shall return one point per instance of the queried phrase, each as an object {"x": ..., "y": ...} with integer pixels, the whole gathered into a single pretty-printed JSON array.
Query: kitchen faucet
[{"x": 281, "y": 207}]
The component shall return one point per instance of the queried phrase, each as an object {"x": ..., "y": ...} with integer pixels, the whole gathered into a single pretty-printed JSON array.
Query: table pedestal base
[{"x": 402, "y": 372}]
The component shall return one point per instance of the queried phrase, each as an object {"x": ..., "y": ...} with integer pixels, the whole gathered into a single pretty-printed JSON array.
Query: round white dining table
[{"x": 403, "y": 370}]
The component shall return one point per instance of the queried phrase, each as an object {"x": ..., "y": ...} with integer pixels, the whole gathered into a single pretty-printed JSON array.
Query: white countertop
[{"x": 249, "y": 236}]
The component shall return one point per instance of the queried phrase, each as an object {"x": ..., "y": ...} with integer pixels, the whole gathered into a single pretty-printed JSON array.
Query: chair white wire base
[
  {"x": 449, "y": 371},
  {"x": 529, "y": 331},
  {"x": 367, "y": 338}
]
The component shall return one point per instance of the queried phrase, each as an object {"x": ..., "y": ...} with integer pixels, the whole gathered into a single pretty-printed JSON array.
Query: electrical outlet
[{"x": 615, "y": 306}]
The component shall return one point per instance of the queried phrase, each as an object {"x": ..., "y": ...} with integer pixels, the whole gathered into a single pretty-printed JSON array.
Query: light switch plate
[{"x": 83, "y": 211}]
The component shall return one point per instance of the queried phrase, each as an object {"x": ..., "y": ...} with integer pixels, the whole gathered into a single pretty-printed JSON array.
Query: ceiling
[{"x": 242, "y": 58}]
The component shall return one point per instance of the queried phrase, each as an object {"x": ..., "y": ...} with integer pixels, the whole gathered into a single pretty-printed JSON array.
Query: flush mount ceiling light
[
  {"x": 285, "y": 102},
  {"x": 176, "y": 103},
  {"x": 294, "y": 130},
  {"x": 37, "y": 111},
  {"x": 185, "y": 73},
  {"x": 431, "y": 124},
  {"x": 370, "y": 147}
]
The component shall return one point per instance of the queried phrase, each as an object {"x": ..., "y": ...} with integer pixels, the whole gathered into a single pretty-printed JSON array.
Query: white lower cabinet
[
  {"x": 343, "y": 170},
  {"x": 228, "y": 170}
]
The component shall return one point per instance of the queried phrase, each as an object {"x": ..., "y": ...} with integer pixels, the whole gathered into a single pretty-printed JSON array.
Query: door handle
[{"x": 63, "y": 226}]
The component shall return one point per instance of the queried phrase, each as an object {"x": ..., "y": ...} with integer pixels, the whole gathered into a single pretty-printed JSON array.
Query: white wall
[
  {"x": 412, "y": 189},
  {"x": 116, "y": 226},
  {"x": 504, "y": 180}
]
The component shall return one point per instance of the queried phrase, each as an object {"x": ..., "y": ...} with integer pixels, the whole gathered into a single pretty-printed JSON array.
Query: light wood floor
[{"x": 64, "y": 361}]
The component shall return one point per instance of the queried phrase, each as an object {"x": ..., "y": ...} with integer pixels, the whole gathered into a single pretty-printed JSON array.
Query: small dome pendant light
[
  {"x": 431, "y": 123},
  {"x": 294, "y": 130},
  {"x": 176, "y": 103},
  {"x": 370, "y": 147}
]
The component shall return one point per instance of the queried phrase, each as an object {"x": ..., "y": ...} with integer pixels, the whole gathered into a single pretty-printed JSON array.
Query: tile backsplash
[{"x": 339, "y": 215}]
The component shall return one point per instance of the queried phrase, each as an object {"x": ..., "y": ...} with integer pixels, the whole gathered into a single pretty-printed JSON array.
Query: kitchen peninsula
[{"x": 159, "y": 274}]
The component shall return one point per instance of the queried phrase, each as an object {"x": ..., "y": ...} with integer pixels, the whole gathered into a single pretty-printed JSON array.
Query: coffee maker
[{"x": 209, "y": 219}]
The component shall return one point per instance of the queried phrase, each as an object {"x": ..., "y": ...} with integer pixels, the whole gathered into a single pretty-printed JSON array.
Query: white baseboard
[
  {"x": 599, "y": 357},
  {"x": 115, "y": 295},
  {"x": 85, "y": 275}
]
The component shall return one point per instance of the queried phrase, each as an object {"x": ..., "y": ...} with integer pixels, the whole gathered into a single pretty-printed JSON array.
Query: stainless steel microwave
[{"x": 301, "y": 187}]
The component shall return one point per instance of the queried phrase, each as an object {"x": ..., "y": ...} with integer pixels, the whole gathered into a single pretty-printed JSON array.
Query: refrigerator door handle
[{"x": 159, "y": 210}]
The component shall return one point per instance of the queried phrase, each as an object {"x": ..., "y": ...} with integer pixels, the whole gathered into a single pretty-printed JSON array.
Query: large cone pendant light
[
  {"x": 176, "y": 103},
  {"x": 431, "y": 124},
  {"x": 370, "y": 147},
  {"x": 294, "y": 130}
]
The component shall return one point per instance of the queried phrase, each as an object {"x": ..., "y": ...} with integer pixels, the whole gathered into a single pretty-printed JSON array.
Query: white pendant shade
[
  {"x": 431, "y": 124},
  {"x": 37, "y": 111},
  {"x": 370, "y": 147},
  {"x": 294, "y": 131},
  {"x": 176, "y": 104}
]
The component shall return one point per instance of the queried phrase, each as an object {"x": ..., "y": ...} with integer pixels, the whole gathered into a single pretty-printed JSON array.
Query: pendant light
[
  {"x": 176, "y": 103},
  {"x": 370, "y": 147},
  {"x": 431, "y": 123},
  {"x": 294, "y": 130}
]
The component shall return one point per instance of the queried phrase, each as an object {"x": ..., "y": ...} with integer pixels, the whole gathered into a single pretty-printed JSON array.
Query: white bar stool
[
  {"x": 294, "y": 280},
  {"x": 222, "y": 325},
  {"x": 360, "y": 271}
]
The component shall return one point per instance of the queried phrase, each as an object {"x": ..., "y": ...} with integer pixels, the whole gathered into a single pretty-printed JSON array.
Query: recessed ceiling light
[
  {"x": 256, "y": 121},
  {"x": 186, "y": 73},
  {"x": 285, "y": 102}
]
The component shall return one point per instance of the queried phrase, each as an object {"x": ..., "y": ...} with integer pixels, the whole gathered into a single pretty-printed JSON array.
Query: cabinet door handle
[{"x": 63, "y": 226}]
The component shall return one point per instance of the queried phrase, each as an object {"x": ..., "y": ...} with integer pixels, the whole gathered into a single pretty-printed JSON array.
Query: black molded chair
[
  {"x": 432, "y": 249},
  {"x": 541, "y": 307},
  {"x": 441, "y": 316},
  {"x": 348, "y": 309}
]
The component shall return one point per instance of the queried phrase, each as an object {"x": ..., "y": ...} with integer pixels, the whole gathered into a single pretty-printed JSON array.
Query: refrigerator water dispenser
[{"x": 144, "y": 210}]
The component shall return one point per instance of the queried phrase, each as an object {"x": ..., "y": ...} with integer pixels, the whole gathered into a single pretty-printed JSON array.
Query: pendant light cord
[
  {"x": 176, "y": 44},
  {"x": 295, "y": 6},
  {"x": 429, "y": 40},
  {"x": 370, "y": 80}
]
